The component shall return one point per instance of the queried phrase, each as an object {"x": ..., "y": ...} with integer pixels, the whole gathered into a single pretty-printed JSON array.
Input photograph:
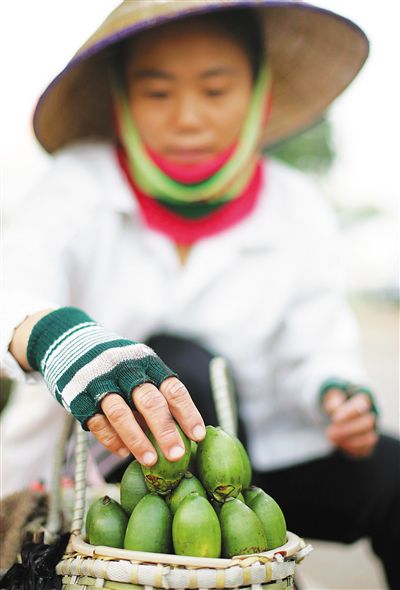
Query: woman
[{"x": 159, "y": 215}]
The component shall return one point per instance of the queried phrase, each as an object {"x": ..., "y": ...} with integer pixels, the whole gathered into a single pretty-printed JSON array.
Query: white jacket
[{"x": 267, "y": 293}]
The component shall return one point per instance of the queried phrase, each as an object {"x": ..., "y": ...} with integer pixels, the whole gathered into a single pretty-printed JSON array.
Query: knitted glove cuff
[
  {"x": 349, "y": 389},
  {"x": 49, "y": 332},
  {"x": 81, "y": 362}
]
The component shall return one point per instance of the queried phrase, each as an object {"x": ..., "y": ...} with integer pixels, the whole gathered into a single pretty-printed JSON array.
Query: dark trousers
[
  {"x": 336, "y": 498},
  {"x": 341, "y": 499}
]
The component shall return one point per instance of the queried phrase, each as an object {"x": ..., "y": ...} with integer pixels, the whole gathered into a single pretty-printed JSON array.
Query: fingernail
[
  {"x": 199, "y": 432},
  {"x": 176, "y": 452},
  {"x": 123, "y": 453},
  {"x": 149, "y": 458}
]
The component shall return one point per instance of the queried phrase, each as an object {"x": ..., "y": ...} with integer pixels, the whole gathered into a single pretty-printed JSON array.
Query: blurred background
[{"x": 352, "y": 155}]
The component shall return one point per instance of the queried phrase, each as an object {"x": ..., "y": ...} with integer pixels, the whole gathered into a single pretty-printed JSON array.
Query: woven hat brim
[{"x": 314, "y": 55}]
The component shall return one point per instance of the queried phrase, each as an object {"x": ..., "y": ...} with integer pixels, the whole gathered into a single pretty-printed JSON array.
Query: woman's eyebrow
[
  {"x": 153, "y": 73},
  {"x": 220, "y": 71}
]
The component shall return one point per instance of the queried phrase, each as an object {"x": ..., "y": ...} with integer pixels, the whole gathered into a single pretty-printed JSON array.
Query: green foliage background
[{"x": 310, "y": 151}]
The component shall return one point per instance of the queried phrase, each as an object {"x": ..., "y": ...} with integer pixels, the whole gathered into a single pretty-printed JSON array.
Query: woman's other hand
[{"x": 353, "y": 424}]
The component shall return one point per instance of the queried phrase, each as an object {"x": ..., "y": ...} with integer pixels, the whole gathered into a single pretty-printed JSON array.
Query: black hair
[
  {"x": 244, "y": 27},
  {"x": 240, "y": 24}
]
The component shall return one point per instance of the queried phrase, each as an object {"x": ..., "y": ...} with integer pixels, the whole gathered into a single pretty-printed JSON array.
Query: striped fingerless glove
[
  {"x": 349, "y": 389},
  {"x": 81, "y": 362}
]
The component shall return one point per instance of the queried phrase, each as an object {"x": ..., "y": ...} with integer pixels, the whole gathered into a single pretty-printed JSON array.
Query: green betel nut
[
  {"x": 270, "y": 515},
  {"x": 149, "y": 526},
  {"x": 186, "y": 486},
  {"x": 247, "y": 470},
  {"x": 106, "y": 523},
  {"x": 195, "y": 529},
  {"x": 250, "y": 493},
  {"x": 133, "y": 486},
  {"x": 219, "y": 464},
  {"x": 165, "y": 475},
  {"x": 242, "y": 531}
]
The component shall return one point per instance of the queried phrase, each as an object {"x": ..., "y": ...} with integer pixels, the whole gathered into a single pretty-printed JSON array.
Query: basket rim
[{"x": 289, "y": 549}]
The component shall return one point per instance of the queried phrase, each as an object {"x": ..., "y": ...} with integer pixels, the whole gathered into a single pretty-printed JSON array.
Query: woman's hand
[
  {"x": 352, "y": 426},
  {"x": 90, "y": 370},
  {"x": 121, "y": 430}
]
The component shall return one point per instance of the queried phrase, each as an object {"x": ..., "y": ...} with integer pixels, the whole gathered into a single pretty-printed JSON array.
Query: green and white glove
[
  {"x": 81, "y": 362},
  {"x": 349, "y": 389}
]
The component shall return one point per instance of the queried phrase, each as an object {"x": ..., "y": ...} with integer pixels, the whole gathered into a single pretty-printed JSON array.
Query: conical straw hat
[{"x": 314, "y": 55}]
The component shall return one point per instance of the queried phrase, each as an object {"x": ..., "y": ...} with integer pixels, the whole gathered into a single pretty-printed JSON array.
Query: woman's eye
[
  {"x": 215, "y": 91},
  {"x": 157, "y": 94}
]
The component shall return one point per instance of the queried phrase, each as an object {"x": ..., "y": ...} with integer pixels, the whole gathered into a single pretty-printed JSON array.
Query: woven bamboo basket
[{"x": 85, "y": 566}]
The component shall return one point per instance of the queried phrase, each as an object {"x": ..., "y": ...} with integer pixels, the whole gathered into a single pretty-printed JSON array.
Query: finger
[
  {"x": 358, "y": 425},
  {"x": 100, "y": 427},
  {"x": 333, "y": 399},
  {"x": 123, "y": 421},
  {"x": 183, "y": 409},
  {"x": 360, "y": 443},
  {"x": 153, "y": 406},
  {"x": 353, "y": 407}
]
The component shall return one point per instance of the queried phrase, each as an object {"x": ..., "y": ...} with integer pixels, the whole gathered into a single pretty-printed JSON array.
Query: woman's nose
[{"x": 188, "y": 112}]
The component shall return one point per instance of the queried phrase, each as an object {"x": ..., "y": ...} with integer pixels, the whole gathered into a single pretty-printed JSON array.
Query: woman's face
[{"x": 189, "y": 89}]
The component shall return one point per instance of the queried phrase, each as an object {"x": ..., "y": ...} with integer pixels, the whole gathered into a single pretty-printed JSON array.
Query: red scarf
[{"x": 182, "y": 230}]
